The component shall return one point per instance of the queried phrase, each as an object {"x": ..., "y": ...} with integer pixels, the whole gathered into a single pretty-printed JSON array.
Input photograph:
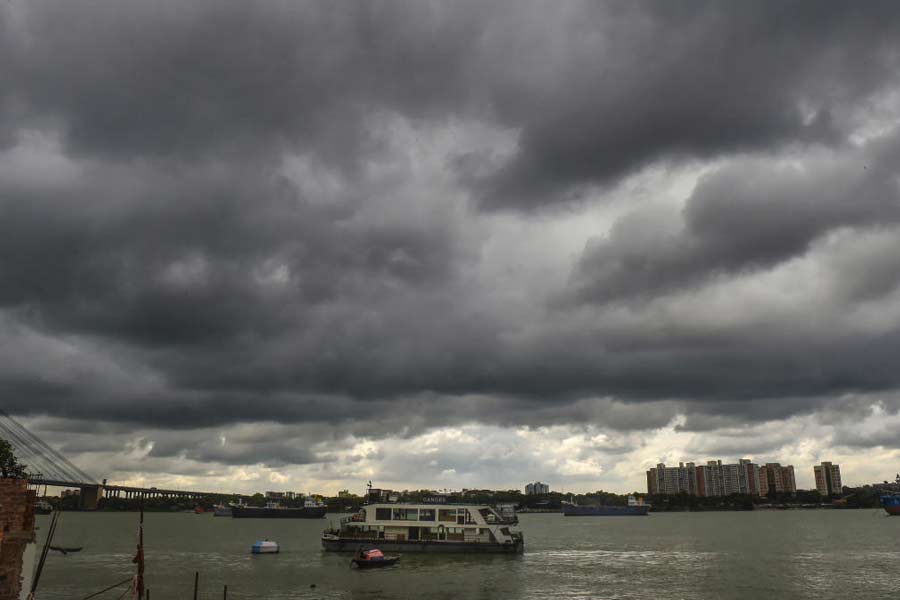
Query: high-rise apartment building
[
  {"x": 777, "y": 479},
  {"x": 711, "y": 479},
  {"x": 828, "y": 479},
  {"x": 672, "y": 480},
  {"x": 536, "y": 488}
]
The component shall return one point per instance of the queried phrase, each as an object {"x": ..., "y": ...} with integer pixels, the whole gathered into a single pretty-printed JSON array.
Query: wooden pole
[
  {"x": 196, "y": 583},
  {"x": 139, "y": 558}
]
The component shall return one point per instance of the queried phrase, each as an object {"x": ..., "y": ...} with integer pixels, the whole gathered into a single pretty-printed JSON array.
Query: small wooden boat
[{"x": 367, "y": 559}]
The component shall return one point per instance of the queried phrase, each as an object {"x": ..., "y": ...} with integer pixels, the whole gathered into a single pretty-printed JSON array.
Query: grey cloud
[
  {"x": 159, "y": 268},
  {"x": 272, "y": 452},
  {"x": 668, "y": 81},
  {"x": 181, "y": 259},
  {"x": 748, "y": 215},
  {"x": 886, "y": 437},
  {"x": 630, "y": 84},
  {"x": 230, "y": 78}
]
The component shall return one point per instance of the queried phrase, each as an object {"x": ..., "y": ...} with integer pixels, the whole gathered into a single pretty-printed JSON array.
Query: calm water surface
[{"x": 817, "y": 554}]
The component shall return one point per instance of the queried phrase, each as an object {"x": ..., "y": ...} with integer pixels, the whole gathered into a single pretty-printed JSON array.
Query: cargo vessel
[
  {"x": 425, "y": 528},
  {"x": 891, "y": 504},
  {"x": 636, "y": 507},
  {"x": 273, "y": 510}
]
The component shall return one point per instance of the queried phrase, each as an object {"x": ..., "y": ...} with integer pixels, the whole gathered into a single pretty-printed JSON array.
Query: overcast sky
[{"x": 301, "y": 245}]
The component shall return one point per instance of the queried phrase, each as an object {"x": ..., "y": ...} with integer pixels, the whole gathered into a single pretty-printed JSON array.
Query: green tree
[{"x": 9, "y": 465}]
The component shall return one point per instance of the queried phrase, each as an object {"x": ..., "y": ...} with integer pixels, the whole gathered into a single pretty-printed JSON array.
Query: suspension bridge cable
[{"x": 36, "y": 453}]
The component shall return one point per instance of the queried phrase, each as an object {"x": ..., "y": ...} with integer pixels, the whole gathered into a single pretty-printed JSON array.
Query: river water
[{"x": 819, "y": 554}]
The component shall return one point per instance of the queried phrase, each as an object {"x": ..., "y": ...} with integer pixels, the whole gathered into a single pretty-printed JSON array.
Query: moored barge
[
  {"x": 273, "y": 510},
  {"x": 891, "y": 504},
  {"x": 636, "y": 507}
]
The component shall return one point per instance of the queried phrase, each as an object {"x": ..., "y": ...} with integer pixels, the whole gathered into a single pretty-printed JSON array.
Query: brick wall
[{"x": 16, "y": 532}]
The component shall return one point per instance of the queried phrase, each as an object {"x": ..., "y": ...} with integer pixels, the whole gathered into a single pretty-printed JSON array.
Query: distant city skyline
[{"x": 802, "y": 479}]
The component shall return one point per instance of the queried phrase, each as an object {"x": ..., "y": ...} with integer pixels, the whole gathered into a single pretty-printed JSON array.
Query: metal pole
[
  {"x": 196, "y": 583},
  {"x": 225, "y": 593}
]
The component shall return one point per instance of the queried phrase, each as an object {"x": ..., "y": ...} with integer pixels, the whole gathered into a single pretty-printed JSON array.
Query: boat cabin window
[
  {"x": 447, "y": 515},
  {"x": 383, "y": 514},
  {"x": 426, "y": 514},
  {"x": 464, "y": 517},
  {"x": 406, "y": 514}
]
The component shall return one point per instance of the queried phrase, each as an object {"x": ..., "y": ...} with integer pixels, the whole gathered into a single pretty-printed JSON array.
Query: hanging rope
[
  {"x": 40, "y": 567},
  {"x": 112, "y": 587}
]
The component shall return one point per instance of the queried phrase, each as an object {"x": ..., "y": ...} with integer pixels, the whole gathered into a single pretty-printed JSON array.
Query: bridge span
[
  {"x": 90, "y": 493},
  {"x": 47, "y": 467}
]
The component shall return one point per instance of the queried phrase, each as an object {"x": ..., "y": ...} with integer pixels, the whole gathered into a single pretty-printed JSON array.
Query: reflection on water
[{"x": 791, "y": 554}]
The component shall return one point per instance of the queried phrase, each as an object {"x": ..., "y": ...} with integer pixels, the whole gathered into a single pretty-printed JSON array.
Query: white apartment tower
[{"x": 828, "y": 479}]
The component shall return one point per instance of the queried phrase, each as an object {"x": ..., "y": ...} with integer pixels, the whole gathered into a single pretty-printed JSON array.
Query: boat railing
[
  {"x": 370, "y": 536},
  {"x": 354, "y": 518},
  {"x": 505, "y": 520}
]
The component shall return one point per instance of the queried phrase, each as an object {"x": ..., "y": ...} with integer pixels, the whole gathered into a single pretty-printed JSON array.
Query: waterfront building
[
  {"x": 726, "y": 479},
  {"x": 828, "y": 479},
  {"x": 714, "y": 478},
  {"x": 776, "y": 478},
  {"x": 379, "y": 495},
  {"x": 711, "y": 479},
  {"x": 536, "y": 488},
  {"x": 672, "y": 480}
]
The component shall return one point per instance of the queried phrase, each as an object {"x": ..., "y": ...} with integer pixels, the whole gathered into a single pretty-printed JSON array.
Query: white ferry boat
[{"x": 425, "y": 528}]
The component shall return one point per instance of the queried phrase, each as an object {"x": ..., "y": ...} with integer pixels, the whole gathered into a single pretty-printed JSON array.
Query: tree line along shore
[{"x": 852, "y": 498}]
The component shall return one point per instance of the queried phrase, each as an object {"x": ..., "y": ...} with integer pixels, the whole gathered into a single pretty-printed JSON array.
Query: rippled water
[{"x": 817, "y": 554}]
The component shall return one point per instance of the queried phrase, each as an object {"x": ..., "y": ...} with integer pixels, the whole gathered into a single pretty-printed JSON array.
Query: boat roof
[{"x": 425, "y": 505}]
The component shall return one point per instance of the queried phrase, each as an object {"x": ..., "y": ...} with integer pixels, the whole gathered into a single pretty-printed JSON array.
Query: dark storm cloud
[
  {"x": 650, "y": 81},
  {"x": 164, "y": 262},
  {"x": 184, "y": 259},
  {"x": 596, "y": 91},
  {"x": 131, "y": 79},
  {"x": 749, "y": 215},
  {"x": 261, "y": 448}
]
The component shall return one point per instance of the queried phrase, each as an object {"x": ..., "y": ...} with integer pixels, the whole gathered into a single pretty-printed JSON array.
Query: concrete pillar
[{"x": 90, "y": 496}]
